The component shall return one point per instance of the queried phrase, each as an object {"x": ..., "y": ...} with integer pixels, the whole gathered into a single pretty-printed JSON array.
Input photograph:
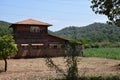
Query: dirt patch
[
  {"x": 28, "y": 69},
  {"x": 116, "y": 67}
]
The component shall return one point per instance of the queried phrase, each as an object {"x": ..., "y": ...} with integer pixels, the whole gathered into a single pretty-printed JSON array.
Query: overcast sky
[{"x": 60, "y": 13}]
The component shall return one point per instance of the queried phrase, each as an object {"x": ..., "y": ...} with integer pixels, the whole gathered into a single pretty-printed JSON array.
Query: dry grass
[{"x": 35, "y": 69}]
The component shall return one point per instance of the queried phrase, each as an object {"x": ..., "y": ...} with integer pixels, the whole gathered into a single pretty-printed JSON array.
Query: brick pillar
[
  {"x": 18, "y": 55},
  {"x": 29, "y": 51}
]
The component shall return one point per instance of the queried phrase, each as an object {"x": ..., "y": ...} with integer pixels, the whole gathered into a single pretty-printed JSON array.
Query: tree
[
  {"x": 71, "y": 61},
  {"x": 7, "y": 48},
  {"x": 110, "y": 8}
]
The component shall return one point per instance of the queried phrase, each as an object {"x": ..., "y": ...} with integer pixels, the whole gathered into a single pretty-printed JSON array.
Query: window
[{"x": 34, "y": 29}]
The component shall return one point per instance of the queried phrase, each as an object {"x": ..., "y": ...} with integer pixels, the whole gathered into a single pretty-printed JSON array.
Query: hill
[
  {"x": 4, "y": 28},
  {"x": 96, "y": 32}
]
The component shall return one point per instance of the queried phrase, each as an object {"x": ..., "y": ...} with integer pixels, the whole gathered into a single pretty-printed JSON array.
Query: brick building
[{"x": 33, "y": 40}]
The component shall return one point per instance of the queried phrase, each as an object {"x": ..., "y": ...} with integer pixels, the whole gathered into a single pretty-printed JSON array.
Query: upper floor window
[{"x": 34, "y": 29}]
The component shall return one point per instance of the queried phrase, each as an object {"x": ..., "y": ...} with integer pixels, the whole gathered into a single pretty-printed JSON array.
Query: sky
[{"x": 59, "y": 13}]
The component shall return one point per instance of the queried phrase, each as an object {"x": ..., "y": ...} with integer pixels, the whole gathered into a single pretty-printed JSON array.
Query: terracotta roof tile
[{"x": 33, "y": 22}]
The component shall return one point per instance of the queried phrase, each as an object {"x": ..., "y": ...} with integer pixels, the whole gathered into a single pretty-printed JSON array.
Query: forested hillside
[
  {"x": 4, "y": 28},
  {"x": 96, "y": 32}
]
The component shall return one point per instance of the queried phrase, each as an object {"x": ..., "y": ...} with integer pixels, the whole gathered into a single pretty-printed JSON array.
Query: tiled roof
[{"x": 33, "y": 22}]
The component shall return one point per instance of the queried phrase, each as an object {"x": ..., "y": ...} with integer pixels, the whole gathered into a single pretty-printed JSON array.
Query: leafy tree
[
  {"x": 7, "y": 48},
  {"x": 110, "y": 8},
  {"x": 71, "y": 61}
]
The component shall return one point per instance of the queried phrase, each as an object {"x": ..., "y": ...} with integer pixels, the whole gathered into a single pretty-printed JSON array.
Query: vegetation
[
  {"x": 96, "y": 39},
  {"x": 110, "y": 8},
  {"x": 4, "y": 28},
  {"x": 112, "y": 53},
  {"x": 97, "y": 32},
  {"x": 94, "y": 35},
  {"x": 70, "y": 61},
  {"x": 7, "y": 48},
  {"x": 102, "y": 45}
]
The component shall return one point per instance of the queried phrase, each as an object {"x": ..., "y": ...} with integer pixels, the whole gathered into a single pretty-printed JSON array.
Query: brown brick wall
[{"x": 32, "y": 52}]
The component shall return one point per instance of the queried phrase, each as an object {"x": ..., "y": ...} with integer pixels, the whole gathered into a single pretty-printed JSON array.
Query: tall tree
[
  {"x": 7, "y": 48},
  {"x": 110, "y": 8}
]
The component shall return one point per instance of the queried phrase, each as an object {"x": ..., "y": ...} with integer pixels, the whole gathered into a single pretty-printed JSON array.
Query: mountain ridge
[{"x": 95, "y": 32}]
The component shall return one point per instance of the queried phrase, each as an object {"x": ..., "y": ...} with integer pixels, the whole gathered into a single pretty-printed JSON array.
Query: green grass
[{"x": 112, "y": 53}]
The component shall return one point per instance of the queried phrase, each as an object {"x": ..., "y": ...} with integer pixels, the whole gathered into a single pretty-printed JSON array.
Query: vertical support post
[
  {"x": 19, "y": 51},
  {"x": 29, "y": 50}
]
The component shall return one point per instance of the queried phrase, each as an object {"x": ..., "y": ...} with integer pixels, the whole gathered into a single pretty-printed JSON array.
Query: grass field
[{"x": 112, "y": 53}]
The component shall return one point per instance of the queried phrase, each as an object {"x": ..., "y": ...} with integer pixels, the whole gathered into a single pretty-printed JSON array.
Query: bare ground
[{"x": 35, "y": 69}]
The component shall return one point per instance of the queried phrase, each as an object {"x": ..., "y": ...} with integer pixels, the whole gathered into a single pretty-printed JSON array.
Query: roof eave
[{"x": 31, "y": 25}]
